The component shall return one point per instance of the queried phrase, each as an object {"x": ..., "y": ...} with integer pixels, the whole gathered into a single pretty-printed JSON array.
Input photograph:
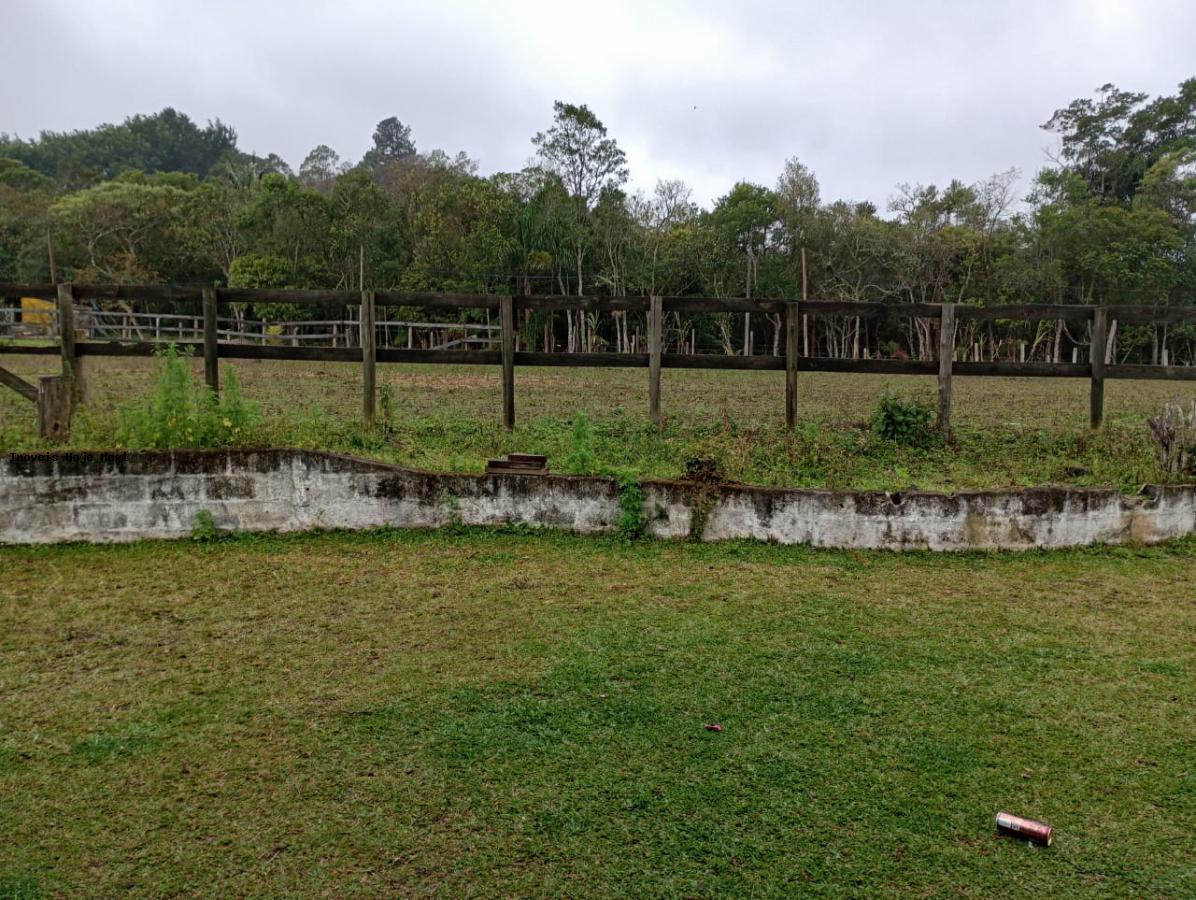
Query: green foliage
[
  {"x": 203, "y": 528},
  {"x": 16, "y": 175},
  {"x": 167, "y": 141},
  {"x": 1115, "y": 139},
  {"x": 632, "y": 519},
  {"x": 119, "y": 230},
  {"x": 235, "y": 417},
  {"x": 581, "y": 459},
  {"x": 256, "y": 270},
  {"x": 906, "y": 421},
  {"x": 179, "y": 413}
]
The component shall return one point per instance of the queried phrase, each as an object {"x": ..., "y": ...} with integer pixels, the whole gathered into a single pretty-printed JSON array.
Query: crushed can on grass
[{"x": 1015, "y": 826}]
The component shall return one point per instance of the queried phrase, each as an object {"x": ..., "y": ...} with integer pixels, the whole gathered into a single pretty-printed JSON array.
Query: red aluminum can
[{"x": 1027, "y": 829}]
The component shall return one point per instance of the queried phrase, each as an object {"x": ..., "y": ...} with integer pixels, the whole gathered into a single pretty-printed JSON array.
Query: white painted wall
[{"x": 126, "y": 497}]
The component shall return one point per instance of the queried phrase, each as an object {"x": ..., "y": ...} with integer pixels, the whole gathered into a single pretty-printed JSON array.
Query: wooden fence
[
  {"x": 368, "y": 354},
  {"x": 173, "y": 328}
]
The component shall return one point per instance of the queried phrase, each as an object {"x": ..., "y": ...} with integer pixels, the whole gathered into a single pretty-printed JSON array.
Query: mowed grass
[
  {"x": 1010, "y": 432},
  {"x": 508, "y": 714}
]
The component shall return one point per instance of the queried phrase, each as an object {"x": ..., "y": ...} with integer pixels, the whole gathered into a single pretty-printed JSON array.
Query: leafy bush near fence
[
  {"x": 181, "y": 413},
  {"x": 907, "y": 421}
]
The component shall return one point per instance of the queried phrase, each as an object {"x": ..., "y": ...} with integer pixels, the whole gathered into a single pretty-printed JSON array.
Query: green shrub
[
  {"x": 907, "y": 421},
  {"x": 179, "y": 413}
]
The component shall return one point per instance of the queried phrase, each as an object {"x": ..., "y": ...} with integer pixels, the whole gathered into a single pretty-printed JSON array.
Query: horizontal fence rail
[
  {"x": 175, "y": 328},
  {"x": 206, "y": 334},
  {"x": 1160, "y": 315}
]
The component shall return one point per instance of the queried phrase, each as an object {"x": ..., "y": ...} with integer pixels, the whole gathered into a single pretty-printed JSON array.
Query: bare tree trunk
[
  {"x": 925, "y": 339},
  {"x": 724, "y": 330}
]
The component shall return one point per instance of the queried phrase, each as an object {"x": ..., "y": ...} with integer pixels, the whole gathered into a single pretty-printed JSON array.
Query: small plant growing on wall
[
  {"x": 203, "y": 527},
  {"x": 632, "y": 520}
]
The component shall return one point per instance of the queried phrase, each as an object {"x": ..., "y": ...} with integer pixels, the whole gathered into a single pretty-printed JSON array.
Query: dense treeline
[{"x": 159, "y": 198}]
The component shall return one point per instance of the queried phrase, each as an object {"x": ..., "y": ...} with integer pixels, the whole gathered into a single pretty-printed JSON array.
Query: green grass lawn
[
  {"x": 1011, "y": 432},
  {"x": 505, "y": 714}
]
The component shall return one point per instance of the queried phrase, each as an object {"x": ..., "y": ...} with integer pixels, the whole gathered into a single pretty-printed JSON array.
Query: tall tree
[
  {"x": 577, "y": 150},
  {"x": 392, "y": 143},
  {"x": 119, "y": 231},
  {"x": 1113, "y": 140},
  {"x": 320, "y": 167}
]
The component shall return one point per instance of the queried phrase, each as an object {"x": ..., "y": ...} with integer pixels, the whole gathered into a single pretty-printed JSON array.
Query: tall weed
[{"x": 179, "y": 413}]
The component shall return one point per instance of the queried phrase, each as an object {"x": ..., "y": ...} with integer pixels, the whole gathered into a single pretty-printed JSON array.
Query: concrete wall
[{"x": 103, "y": 497}]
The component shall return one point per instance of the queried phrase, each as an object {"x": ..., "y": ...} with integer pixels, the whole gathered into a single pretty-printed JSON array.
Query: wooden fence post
[
  {"x": 211, "y": 366},
  {"x": 55, "y": 403},
  {"x": 946, "y": 359},
  {"x": 655, "y": 331},
  {"x": 506, "y": 308},
  {"x": 791, "y": 320},
  {"x": 369, "y": 359},
  {"x": 66, "y": 338},
  {"x": 1096, "y": 355}
]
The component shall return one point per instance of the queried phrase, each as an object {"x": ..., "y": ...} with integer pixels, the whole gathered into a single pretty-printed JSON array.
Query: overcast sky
[{"x": 868, "y": 94}]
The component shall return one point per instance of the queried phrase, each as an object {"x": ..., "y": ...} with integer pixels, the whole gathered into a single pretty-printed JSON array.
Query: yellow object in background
[{"x": 37, "y": 312}]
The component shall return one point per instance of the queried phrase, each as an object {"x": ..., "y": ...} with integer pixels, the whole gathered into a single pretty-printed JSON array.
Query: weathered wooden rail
[
  {"x": 121, "y": 325},
  {"x": 208, "y": 300}
]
